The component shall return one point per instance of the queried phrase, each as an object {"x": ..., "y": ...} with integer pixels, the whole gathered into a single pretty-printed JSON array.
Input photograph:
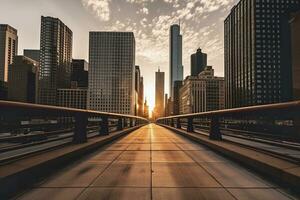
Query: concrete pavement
[{"x": 155, "y": 163}]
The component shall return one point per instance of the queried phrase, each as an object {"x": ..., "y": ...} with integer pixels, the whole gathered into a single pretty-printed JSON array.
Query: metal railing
[
  {"x": 281, "y": 121},
  {"x": 24, "y": 124}
]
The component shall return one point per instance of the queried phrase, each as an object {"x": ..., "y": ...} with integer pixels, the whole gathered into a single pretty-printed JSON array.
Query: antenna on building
[{"x": 158, "y": 69}]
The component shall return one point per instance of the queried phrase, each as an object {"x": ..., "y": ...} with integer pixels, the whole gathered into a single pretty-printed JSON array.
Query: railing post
[
  {"x": 130, "y": 122},
  {"x": 120, "y": 124},
  {"x": 190, "y": 127},
  {"x": 172, "y": 122},
  {"x": 80, "y": 132},
  {"x": 178, "y": 123},
  {"x": 104, "y": 130},
  {"x": 214, "y": 131}
]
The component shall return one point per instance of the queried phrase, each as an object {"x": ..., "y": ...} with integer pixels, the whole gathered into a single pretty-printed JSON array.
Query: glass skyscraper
[
  {"x": 198, "y": 62},
  {"x": 55, "y": 59},
  {"x": 112, "y": 72},
  {"x": 176, "y": 68},
  {"x": 258, "y": 52},
  {"x": 8, "y": 49}
]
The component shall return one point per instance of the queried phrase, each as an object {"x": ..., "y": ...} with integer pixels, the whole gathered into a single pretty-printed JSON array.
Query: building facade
[
  {"x": 55, "y": 59},
  {"x": 295, "y": 41},
  {"x": 175, "y": 110},
  {"x": 22, "y": 80},
  {"x": 72, "y": 98},
  {"x": 176, "y": 68},
  {"x": 258, "y": 67},
  {"x": 159, "y": 109},
  {"x": 141, "y": 98},
  {"x": 79, "y": 74},
  {"x": 112, "y": 72},
  {"x": 202, "y": 93},
  {"x": 198, "y": 62},
  {"x": 139, "y": 92},
  {"x": 33, "y": 54},
  {"x": 8, "y": 49}
]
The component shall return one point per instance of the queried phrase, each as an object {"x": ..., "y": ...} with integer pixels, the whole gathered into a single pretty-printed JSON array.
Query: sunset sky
[{"x": 201, "y": 23}]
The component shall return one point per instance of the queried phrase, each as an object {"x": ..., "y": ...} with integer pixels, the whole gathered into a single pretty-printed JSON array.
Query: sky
[{"x": 201, "y": 26}]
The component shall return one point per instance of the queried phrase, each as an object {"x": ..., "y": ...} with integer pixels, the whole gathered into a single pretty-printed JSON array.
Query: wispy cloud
[{"x": 100, "y": 8}]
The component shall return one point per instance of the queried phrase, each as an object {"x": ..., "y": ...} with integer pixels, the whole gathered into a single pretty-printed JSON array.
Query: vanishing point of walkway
[{"x": 155, "y": 163}]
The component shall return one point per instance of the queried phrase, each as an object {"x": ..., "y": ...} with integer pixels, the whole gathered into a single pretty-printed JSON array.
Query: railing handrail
[
  {"x": 244, "y": 110},
  {"x": 37, "y": 107}
]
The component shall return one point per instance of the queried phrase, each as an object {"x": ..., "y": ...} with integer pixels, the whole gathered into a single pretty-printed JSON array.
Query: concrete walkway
[{"x": 155, "y": 163}]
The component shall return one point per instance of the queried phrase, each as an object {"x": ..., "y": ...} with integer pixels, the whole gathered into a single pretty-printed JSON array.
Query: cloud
[{"x": 100, "y": 8}]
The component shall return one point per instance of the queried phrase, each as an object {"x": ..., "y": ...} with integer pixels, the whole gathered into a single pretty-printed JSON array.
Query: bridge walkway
[{"x": 155, "y": 163}]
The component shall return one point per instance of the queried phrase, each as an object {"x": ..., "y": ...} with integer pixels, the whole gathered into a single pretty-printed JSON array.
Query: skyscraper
[
  {"x": 257, "y": 53},
  {"x": 202, "y": 93},
  {"x": 79, "y": 74},
  {"x": 159, "y": 93},
  {"x": 22, "y": 80},
  {"x": 112, "y": 72},
  {"x": 295, "y": 40},
  {"x": 139, "y": 92},
  {"x": 198, "y": 62},
  {"x": 55, "y": 59},
  {"x": 141, "y": 98},
  {"x": 176, "y": 68},
  {"x": 8, "y": 49},
  {"x": 33, "y": 54}
]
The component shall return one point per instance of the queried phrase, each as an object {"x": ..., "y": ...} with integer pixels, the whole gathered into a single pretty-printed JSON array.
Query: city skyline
[{"x": 201, "y": 24}]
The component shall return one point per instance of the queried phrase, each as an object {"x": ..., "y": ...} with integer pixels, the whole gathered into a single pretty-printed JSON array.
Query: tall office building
[
  {"x": 55, "y": 59},
  {"x": 139, "y": 92},
  {"x": 8, "y": 49},
  {"x": 176, "y": 68},
  {"x": 141, "y": 98},
  {"x": 33, "y": 54},
  {"x": 79, "y": 75},
  {"x": 159, "y": 94},
  {"x": 22, "y": 80},
  {"x": 112, "y": 72},
  {"x": 198, "y": 62},
  {"x": 202, "y": 93},
  {"x": 295, "y": 41},
  {"x": 258, "y": 67},
  {"x": 72, "y": 98}
]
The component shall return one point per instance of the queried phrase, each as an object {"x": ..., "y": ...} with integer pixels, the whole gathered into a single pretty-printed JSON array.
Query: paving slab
[
  {"x": 258, "y": 194},
  {"x": 52, "y": 193},
  {"x": 116, "y": 194},
  {"x": 181, "y": 175},
  {"x": 191, "y": 194},
  {"x": 126, "y": 175}
]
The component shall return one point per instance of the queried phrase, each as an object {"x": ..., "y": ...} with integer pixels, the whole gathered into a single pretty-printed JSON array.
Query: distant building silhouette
[
  {"x": 8, "y": 49},
  {"x": 79, "y": 74},
  {"x": 139, "y": 92},
  {"x": 55, "y": 59},
  {"x": 202, "y": 93},
  {"x": 72, "y": 98},
  {"x": 146, "y": 109},
  {"x": 176, "y": 68},
  {"x": 258, "y": 64},
  {"x": 33, "y": 54},
  {"x": 22, "y": 80},
  {"x": 198, "y": 62},
  {"x": 176, "y": 98},
  {"x": 141, "y": 98},
  {"x": 112, "y": 72},
  {"x": 159, "y": 94}
]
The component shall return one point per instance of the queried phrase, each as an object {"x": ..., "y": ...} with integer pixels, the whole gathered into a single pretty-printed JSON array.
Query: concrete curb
[
  {"x": 24, "y": 173},
  {"x": 283, "y": 172}
]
